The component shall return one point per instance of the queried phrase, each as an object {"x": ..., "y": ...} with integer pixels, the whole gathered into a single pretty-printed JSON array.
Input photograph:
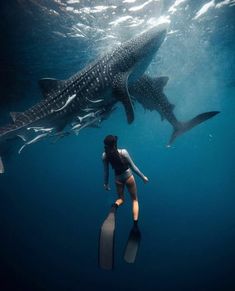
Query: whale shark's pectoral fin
[
  {"x": 121, "y": 93},
  {"x": 49, "y": 85}
]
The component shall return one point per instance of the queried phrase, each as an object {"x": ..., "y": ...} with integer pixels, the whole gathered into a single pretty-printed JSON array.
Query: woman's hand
[
  {"x": 106, "y": 187},
  {"x": 145, "y": 179}
]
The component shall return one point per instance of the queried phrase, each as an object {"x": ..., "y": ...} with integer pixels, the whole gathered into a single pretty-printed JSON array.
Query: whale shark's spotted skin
[
  {"x": 105, "y": 79},
  {"x": 89, "y": 96}
]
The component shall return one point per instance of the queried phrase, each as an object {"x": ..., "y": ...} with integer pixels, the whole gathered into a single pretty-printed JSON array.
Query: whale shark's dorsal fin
[
  {"x": 49, "y": 85},
  {"x": 121, "y": 93},
  {"x": 14, "y": 115},
  {"x": 161, "y": 81}
]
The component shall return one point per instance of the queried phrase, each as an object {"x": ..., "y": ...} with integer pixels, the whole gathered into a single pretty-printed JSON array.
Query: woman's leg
[
  {"x": 120, "y": 191},
  {"x": 131, "y": 186}
]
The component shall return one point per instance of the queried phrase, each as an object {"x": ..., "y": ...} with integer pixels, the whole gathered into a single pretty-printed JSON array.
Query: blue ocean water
[{"x": 52, "y": 198}]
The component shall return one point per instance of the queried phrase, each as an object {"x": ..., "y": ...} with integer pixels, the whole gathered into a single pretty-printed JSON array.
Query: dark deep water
[{"x": 51, "y": 196}]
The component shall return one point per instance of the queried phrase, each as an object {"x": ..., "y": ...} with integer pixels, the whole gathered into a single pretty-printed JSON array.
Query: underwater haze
[{"x": 52, "y": 197}]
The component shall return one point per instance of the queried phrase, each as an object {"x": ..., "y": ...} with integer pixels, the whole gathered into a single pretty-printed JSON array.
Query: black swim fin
[
  {"x": 106, "y": 242},
  {"x": 132, "y": 245}
]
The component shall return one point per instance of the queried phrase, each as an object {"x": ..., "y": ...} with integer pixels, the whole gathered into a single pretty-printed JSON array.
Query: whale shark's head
[
  {"x": 149, "y": 41},
  {"x": 138, "y": 52}
]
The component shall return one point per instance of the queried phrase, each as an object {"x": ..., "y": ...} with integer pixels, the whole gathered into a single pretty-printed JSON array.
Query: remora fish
[{"x": 108, "y": 78}]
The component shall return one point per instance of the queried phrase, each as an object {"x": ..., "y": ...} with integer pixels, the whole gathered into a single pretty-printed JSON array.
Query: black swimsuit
[{"x": 126, "y": 173}]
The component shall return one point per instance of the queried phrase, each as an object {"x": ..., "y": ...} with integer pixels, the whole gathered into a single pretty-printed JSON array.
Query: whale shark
[
  {"x": 86, "y": 94},
  {"x": 89, "y": 97}
]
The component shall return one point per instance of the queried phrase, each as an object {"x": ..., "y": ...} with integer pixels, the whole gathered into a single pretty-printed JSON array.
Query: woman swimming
[{"x": 123, "y": 166}]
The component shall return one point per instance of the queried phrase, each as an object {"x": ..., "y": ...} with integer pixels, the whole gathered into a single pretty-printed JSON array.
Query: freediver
[{"x": 123, "y": 166}]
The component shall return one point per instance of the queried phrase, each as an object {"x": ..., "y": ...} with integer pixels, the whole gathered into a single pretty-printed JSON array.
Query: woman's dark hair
[
  {"x": 110, "y": 140},
  {"x": 110, "y": 146},
  {"x": 112, "y": 154}
]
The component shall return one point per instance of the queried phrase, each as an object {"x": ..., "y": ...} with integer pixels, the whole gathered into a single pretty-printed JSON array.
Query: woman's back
[{"x": 117, "y": 159}]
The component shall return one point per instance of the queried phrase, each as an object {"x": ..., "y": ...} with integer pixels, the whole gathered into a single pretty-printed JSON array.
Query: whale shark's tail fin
[{"x": 182, "y": 127}]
